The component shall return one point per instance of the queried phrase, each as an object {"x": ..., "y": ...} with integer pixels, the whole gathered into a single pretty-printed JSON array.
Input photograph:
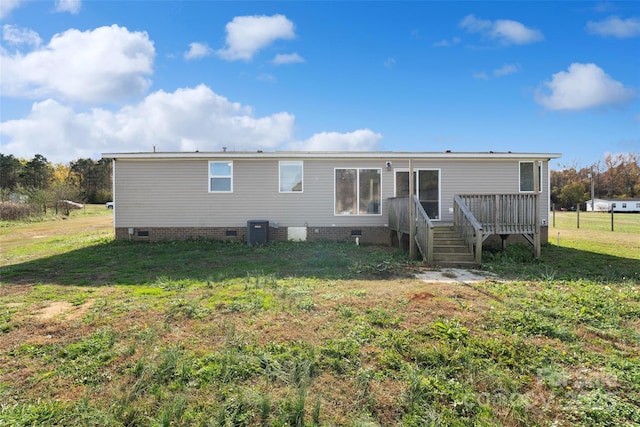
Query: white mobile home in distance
[
  {"x": 618, "y": 205},
  {"x": 330, "y": 195}
]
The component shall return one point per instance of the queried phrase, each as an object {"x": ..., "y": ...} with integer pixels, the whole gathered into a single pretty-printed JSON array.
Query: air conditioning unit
[{"x": 257, "y": 232}]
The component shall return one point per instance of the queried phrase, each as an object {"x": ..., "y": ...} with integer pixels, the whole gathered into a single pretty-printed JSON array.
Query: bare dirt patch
[
  {"x": 58, "y": 308},
  {"x": 421, "y": 296},
  {"x": 13, "y": 290}
]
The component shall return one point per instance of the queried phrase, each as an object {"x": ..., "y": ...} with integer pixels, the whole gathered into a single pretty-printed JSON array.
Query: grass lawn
[{"x": 99, "y": 332}]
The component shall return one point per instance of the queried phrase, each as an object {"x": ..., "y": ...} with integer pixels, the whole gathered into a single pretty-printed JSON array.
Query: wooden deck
[{"x": 476, "y": 217}]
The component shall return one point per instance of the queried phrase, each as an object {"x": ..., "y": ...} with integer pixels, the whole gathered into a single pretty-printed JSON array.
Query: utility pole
[{"x": 593, "y": 178}]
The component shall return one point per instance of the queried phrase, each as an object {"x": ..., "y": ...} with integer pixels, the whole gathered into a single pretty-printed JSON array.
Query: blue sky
[{"x": 84, "y": 77}]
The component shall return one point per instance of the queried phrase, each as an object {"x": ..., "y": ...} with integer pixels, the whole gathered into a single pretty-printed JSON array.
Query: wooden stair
[{"x": 449, "y": 250}]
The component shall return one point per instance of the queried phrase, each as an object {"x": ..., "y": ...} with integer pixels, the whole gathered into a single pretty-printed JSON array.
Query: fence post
[
  {"x": 554, "y": 215},
  {"x": 612, "y": 218},
  {"x": 578, "y": 213}
]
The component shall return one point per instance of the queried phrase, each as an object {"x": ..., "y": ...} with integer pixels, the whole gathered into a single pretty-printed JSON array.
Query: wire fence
[{"x": 600, "y": 221}]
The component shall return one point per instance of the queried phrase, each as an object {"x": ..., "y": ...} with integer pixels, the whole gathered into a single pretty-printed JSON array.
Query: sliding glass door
[{"x": 427, "y": 187}]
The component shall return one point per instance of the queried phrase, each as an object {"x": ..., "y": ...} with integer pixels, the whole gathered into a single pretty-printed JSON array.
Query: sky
[{"x": 80, "y": 77}]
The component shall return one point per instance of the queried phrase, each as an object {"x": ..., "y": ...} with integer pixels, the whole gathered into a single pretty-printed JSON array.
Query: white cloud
[
  {"x": 448, "y": 43},
  {"x": 248, "y": 34},
  {"x": 506, "y": 69},
  {"x": 582, "y": 86},
  {"x": 287, "y": 58},
  {"x": 6, "y": 6},
  {"x": 266, "y": 77},
  {"x": 185, "y": 120},
  {"x": 71, "y": 6},
  {"x": 198, "y": 50},
  {"x": 359, "y": 140},
  {"x": 102, "y": 65},
  {"x": 17, "y": 36},
  {"x": 613, "y": 26},
  {"x": 390, "y": 62},
  {"x": 503, "y": 31},
  {"x": 480, "y": 75}
]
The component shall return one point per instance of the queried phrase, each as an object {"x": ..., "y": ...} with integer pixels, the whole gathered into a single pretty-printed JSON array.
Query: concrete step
[{"x": 453, "y": 264}]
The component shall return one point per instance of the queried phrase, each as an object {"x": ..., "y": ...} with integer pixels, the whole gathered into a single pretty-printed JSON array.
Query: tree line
[
  {"x": 40, "y": 182},
  {"x": 617, "y": 177},
  {"x": 90, "y": 181}
]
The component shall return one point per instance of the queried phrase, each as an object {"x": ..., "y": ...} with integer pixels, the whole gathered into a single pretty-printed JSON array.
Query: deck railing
[
  {"x": 423, "y": 226},
  {"x": 424, "y": 231},
  {"x": 468, "y": 227},
  {"x": 475, "y": 217},
  {"x": 504, "y": 213}
]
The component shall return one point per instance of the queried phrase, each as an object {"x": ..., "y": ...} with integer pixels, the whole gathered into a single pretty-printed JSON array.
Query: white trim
[
  {"x": 364, "y": 155},
  {"x": 113, "y": 192},
  {"x": 290, "y": 162},
  {"x": 540, "y": 166},
  {"x": 230, "y": 176}
]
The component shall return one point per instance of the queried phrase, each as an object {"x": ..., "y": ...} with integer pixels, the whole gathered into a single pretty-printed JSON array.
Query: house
[
  {"x": 326, "y": 195},
  {"x": 618, "y": 205}
]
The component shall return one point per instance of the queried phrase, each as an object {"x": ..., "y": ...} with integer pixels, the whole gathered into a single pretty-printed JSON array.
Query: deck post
[
  {"x": 478, "y": 248},
  {"x": 496, "y": 214},
  {"x": 536, "y": 214},
  {"x": 412, "y": 214}
]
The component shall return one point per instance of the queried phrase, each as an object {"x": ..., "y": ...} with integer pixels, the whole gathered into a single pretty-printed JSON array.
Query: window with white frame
[
  {"x": 290, "y": 176},
  {"x": 220, "y": 177},
  {"x": 357, "y": 191},
  {"x": 526, "y": 177}
]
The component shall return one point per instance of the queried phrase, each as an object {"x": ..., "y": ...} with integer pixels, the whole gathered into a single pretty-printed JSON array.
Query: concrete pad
[{"x": 456, "y": 275}]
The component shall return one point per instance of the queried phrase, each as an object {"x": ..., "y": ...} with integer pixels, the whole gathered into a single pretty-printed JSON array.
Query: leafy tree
[
  {"x": 573, "y": 194},
  {"x": 93, "y": 178},
  {"x": 38, "y": 196},
  {"x": 617, "y": 177},
  {"x": 622, "y": 177},
  {"x": 10, "y": 170},
  {"x": 37, "y": 173}
]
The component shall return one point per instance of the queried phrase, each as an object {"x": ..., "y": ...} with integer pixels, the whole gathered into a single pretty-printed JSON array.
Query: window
[
  {"x": 357, "y": 191},
  {"x": 638, "y": 205},
  {"x": 220, "y": 177},
  {"x": 290, "y": 177},
  {"x": 526, "y": 176},
  {"x": 624, "y": 206}
]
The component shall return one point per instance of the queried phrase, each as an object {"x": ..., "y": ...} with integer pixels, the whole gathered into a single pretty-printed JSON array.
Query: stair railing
[
  {"x": 468, "y": 227},
  {"x": 423, "y": 231}
]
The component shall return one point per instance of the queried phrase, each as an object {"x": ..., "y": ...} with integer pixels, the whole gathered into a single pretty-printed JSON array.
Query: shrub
[{"x": 13, "y": 211}]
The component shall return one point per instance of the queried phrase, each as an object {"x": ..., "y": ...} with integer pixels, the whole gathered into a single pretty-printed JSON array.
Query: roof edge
[{"x": 328, "y": 155}]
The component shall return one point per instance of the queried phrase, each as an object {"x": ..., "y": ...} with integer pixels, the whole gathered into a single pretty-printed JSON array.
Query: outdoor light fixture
[{"x": 388, "y": 166}]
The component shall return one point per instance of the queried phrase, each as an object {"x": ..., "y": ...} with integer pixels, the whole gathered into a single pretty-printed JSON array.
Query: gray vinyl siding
[
  {"x": 172, "y": 193},
  {"x": 175, "y": 193},
  {"x": 479, "y": 177}
]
